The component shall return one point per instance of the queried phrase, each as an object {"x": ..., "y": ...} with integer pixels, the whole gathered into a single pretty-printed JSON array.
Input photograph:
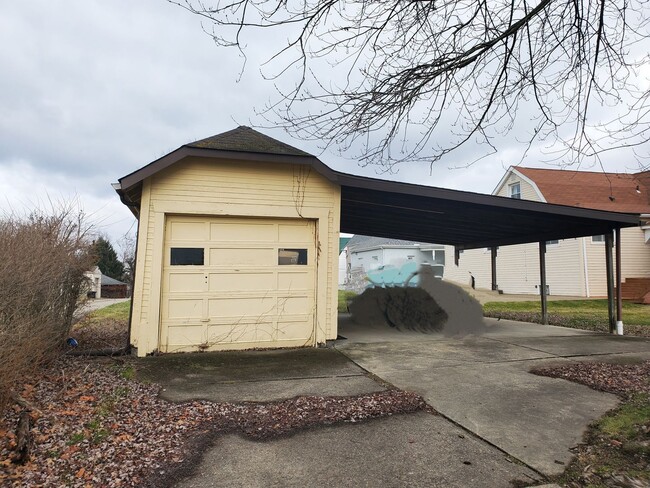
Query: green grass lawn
[
  {"x": 118, "y": 311},
  {"x": 580, "y": 314},
  {"x": 615, "y": 444},
  {"x": 344, "y": 297}
]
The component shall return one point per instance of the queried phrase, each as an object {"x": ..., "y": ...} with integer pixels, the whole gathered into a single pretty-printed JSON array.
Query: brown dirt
[{"x": 100, "y": 334}]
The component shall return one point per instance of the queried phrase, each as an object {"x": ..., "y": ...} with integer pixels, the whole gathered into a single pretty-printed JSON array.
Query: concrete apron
[
  {"x": 255, "y": 376},
  {"x": 483, "y": 383}
]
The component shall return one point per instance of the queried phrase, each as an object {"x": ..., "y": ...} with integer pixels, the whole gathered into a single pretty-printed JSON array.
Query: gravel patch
[{"x": 93, "y": 426}]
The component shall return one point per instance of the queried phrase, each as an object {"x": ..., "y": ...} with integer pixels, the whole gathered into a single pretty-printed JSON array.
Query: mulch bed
[
  {"x": 92, "y": 426},
  {"x": 620, "y": 379}
]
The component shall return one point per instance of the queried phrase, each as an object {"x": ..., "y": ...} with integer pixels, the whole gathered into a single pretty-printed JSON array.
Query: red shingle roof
[{"x": 615, "y": 192}]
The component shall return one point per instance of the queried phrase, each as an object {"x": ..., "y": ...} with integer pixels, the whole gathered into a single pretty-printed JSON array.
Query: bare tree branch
[{"x": 417, "y": 80}]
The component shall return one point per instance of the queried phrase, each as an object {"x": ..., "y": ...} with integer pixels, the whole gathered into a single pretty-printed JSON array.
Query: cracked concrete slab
[
  {"x": 418, "y": 450},
  {"x": 236, "y": 376},
  {"x": 484, "y": 384}
]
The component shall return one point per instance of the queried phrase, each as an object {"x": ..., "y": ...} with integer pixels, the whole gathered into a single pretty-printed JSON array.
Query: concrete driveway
[
  {"x": 483, "y": 383},
  {"x": 499, "y": 423},
  {"x": 415, "y": 450}
]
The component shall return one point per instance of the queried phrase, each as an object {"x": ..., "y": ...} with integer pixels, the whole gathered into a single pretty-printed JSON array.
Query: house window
[
  {"x": 600, "y": 238},
  {"x": 515, "y": 190},
  {"x": 186, "y": 256},
  {"x": 288, "y": 257}
]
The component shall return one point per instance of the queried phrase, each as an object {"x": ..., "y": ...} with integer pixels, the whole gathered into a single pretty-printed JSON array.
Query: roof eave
[
  {"x": 183, "y": 152},
  {"x": 483, "y": 199}
]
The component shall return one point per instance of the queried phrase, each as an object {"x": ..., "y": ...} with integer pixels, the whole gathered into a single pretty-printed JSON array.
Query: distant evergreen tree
[{"x": 107, "y": 260}]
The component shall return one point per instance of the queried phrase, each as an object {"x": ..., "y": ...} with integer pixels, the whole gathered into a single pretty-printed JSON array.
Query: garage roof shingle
[{"x": 245, "y": 139}]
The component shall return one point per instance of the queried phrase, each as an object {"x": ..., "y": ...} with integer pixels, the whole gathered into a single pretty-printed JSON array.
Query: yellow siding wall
[
  {"x": 201, "y": 186},
  {"x": 635, "y": 260},
  {"x": 528, "y": 192},
  {"x": 476, "y": 261},
  {"x": 518, "y": 268}
]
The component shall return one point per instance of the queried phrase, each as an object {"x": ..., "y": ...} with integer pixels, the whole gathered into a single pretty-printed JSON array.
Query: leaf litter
[{"x": 93, "y": 426}]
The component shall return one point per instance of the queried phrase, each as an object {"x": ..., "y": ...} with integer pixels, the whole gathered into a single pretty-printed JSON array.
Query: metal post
[
  {"x": 493, "y": 252},
  {"x": 542, "y": 275},
  {"x": 619, "y": 294},
  {"x": 609, "y": 244}
]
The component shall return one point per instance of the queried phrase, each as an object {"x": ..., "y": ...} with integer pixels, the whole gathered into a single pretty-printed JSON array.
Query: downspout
[
  {"x": 586, "y": 266},
  {"x": 619, "y": 294}
]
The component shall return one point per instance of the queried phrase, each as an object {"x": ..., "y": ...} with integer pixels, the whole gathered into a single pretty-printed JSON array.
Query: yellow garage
[{"x": 237, "y": 247}]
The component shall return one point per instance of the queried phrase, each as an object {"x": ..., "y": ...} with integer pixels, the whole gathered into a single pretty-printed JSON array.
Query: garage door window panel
[
  {"x": 187, "y": 256},
  {"x": 292, "y": 257}
]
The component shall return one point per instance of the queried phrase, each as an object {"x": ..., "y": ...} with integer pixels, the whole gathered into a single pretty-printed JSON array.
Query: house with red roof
[{"x": 575, "y": 267}]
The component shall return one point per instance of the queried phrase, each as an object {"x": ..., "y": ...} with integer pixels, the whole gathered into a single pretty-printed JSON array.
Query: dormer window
[{"x": 515, "y": 191}]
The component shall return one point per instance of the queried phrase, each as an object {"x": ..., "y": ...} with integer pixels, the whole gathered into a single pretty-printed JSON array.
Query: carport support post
[
  {"x": 609, "y": 244},
  {"x": 542, "y": 275},
  {"x": 619, "y": 294},
  {"x": 493, "y": 251}
]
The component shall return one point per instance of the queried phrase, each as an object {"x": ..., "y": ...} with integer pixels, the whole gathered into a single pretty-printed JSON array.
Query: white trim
[
  {"x": 586, "y": 266},
  {"x": 511, "y": 190},
  {"x": 512, "y": 170}
]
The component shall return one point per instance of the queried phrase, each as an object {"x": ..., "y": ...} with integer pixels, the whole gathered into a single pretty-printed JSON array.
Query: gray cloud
[{"x": 94, "y": 90}]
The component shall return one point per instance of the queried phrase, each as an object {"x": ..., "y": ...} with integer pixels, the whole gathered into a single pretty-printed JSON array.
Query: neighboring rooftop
[
  {"x": 107, "y": 280},
  {"x": 615, "y": 192},
  {"x": 359, "y": 242},
  {"x": 245, "y": 139}
]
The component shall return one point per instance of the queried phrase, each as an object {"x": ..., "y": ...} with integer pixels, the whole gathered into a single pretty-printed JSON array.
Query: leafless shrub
[{"x": 44, "y": 256}]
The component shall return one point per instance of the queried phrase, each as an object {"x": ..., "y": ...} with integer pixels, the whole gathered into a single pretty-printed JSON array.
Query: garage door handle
[{"x": 205, "y": 320}]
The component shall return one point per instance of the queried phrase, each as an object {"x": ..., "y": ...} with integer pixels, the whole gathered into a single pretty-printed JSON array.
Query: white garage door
[{"x": 237, "y": 283}]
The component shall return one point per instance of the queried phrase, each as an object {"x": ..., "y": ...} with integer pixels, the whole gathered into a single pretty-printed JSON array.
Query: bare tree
[
  {"x": 127, "y": 246},
  {"x": 418, "y": 79},
  {"x": 42, "y": 282}
]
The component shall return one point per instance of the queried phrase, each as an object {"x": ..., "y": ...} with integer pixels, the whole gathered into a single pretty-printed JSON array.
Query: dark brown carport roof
[
  {"x": 463, "y": 219},
  {"x": 383, "y": 208}
]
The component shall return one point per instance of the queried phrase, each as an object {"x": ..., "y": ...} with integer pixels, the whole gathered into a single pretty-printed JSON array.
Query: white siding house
[
  {"x": 365, "y": 253},
  {"x": 575, "y": 267}
]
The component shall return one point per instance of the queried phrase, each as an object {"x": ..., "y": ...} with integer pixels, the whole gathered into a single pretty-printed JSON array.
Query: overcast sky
[{"x": 92, "y": 90}]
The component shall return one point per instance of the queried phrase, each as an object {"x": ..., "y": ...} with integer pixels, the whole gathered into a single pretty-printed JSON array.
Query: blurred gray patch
[{"x": 433, "y": 306}]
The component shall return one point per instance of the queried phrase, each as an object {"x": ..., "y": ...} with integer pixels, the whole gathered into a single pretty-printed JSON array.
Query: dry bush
[{"x": 43, "y": 260}]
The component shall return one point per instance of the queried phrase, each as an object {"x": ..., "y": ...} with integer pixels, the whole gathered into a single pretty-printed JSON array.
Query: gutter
[{"x": 134, "y": 207}]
